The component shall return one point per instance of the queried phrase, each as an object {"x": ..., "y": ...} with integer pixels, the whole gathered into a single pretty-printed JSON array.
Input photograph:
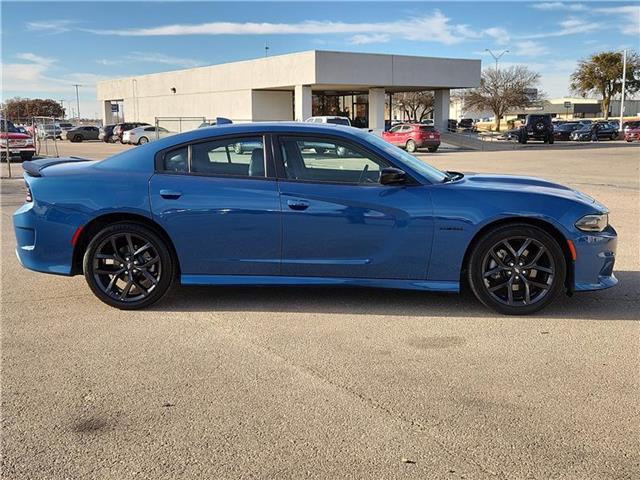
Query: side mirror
[{"x": 392, "y": 176}]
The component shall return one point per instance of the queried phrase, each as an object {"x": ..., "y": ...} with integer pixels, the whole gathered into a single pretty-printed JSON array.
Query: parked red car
[
  {"x": 632, "y": 134},
  {"x": 19, "y": 143},
  {"x": 413, "y": 136}
]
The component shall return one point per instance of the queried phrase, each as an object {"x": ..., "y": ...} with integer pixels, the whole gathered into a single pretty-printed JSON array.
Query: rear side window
[{"x": 237, "y": 156}]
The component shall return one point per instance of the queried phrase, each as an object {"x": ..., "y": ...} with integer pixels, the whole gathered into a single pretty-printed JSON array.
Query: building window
[{"x": 353, "y": 105}]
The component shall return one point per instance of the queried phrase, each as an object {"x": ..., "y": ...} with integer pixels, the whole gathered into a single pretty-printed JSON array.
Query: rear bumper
[
  {"x": 596, "y": 255},
  {"x": 43, "y": 242},
  {"x": 428, "y": 142}
]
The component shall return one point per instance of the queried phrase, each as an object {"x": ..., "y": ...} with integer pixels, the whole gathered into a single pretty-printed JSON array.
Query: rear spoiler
[{"x": 35, "y": 167}]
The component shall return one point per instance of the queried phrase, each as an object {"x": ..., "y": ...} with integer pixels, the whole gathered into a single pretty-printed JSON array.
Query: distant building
[{"x": 289, "y": 87}]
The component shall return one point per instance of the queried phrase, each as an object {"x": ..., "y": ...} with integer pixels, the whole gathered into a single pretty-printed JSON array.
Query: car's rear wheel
[
  {"x": 143, "y": 140},
  {"x": 411, "y": 146},
  {"x": 77, "y": 138},
  {"x": 128, "y": 266},
  {"x": 517, "y": 269}
]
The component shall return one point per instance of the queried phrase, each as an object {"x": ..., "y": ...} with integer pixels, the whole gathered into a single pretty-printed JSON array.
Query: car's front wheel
[
  {"x": 128, "y": 266},
  {"x": 143, "y": 140},
  {"x": 517, "y": 269},
  {"x": 411, "y": 146}
]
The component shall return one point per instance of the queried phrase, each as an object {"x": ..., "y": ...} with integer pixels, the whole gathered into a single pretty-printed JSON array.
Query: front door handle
[
  {"x": 298, "y": 204},
  {"x": 170, "y": 194}
]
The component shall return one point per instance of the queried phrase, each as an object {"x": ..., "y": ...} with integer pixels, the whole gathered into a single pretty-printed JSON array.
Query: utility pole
[
  {"x": 624, "y": 81},
  {"x": 77, "y": 100},
  {"x": 496, "y": 57}
]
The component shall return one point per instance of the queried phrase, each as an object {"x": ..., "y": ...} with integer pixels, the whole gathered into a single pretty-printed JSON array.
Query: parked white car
[
  {"x": 144, "y": 134},
  {"x": 329, "y": 119}
]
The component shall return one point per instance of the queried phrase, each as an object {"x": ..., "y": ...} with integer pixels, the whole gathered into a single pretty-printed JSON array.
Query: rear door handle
[
  {"x": 170, "y": 194},
  {"x": 298, "y": 204}
]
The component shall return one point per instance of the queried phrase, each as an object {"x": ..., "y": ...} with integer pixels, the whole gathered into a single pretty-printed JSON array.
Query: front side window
[
  {"x": 237, "y": 156},
  {"x": 333, "y": 161}
]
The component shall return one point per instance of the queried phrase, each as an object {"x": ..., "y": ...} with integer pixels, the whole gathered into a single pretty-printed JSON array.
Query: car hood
[
  {"x": 522, "y": 184},
  {"x": 14, "y": 135}
]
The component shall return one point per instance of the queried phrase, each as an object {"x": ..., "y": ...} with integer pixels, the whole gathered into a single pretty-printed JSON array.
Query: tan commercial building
[{"x": 289, "y": 87}]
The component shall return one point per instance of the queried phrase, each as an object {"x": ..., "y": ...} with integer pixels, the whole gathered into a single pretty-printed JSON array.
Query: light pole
[
  {"x": 496, "y": 57},
  {"x": 77, "y": 100},
  {"x": 624, "y": 79}
]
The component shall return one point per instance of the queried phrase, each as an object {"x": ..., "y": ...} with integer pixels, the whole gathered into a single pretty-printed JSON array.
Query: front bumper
[
  {"x": 595, "y": 258},
  {"x": 18, "y": 149}
]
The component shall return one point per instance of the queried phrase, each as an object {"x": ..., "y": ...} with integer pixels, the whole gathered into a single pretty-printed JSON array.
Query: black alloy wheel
[
  {"x": 517, "y": 269},
  {"x": 128, "y": 266}
]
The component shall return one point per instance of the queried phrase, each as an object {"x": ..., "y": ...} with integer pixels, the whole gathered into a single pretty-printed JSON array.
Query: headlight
[
  {"x": 3, "y": 141},
  {"x": 29, "y": 141},
  {"x": 593, "y": 223}
]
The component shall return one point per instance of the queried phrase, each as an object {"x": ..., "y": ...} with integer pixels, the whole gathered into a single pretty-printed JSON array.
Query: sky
[{"x": 49, "y": 46}]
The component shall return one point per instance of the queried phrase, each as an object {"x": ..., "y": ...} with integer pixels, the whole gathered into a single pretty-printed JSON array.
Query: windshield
[
  {"x": 339, "y": 121},
  {"x": 7, "y": 126},
  {"x": 431, "y": 173}
]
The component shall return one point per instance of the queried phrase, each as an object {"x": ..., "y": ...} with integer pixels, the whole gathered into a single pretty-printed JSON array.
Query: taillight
[{"x": 27, "y": 194}]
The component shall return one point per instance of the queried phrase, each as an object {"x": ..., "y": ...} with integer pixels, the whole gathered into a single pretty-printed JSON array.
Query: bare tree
[
  {"x": 20, "y": 108},
  {"x": 502, "y": 90},
  {"x": 416, "y": 106},
  {"x": 602, "y": 74}
]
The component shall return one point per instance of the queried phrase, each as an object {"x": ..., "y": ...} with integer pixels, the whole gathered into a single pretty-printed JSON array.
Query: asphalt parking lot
[{"x": 327, "y": 383}]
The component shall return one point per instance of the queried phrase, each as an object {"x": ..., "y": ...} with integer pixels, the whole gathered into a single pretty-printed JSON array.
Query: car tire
[
  {"x": 26, "y": 156},
  {"x": 432, "y": 149},
  {"x": 77, "y": 138},
  {"x": 143, "y": 140},
  {"x": 411, "y": 146},
  {"x": 116, "y": 249},
  {"x": 551, "y": 139},
  {"x": 502, "y": 282}
]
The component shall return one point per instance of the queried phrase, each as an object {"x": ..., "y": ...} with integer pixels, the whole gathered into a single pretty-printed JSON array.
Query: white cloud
[
  {"x": 31, "y": 76},
  {"x": 500, "y": 35},
  {"x": 570, "y": 26},
  {"x": 530, "y": 48},
  {"x": 435, "y": 27},
  {"x": 571, "y": 6},
  {"x": 629, "y": 17},
  {"x": 51, "y": 27},
  {"x": 364, "y": 39},
  {"x": 150, "y": 57}
]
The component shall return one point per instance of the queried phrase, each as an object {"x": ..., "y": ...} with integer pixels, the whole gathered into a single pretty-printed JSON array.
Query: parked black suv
[{"x": 537, "y": 127}]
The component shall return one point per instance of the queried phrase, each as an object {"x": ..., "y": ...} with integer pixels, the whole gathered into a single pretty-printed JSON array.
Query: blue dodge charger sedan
[{"x": 306, "y": 204}]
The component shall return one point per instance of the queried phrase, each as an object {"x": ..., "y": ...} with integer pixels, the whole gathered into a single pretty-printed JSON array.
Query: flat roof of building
[{"x": 323, "y": 70}]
